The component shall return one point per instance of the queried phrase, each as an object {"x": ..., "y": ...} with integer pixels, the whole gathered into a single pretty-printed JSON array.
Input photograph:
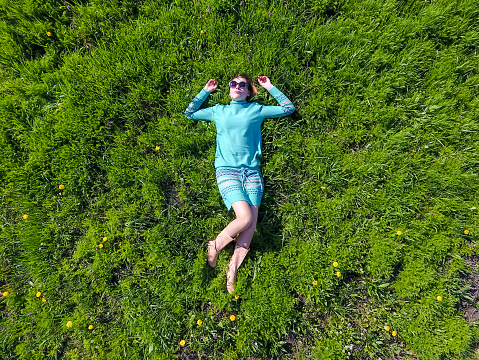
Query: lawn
[{"x": 366, "y": 240}]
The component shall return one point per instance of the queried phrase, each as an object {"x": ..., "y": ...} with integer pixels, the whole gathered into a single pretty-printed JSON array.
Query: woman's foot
[
  {"x": 215, "y": 246},
  {"x": 235, "y": 262},
  {"x": 212, "y": 253}
]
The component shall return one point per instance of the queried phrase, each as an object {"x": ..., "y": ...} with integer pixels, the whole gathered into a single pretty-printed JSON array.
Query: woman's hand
[
  {"x": 265, "y": 82},
  {"x": 211, "y": 85}
]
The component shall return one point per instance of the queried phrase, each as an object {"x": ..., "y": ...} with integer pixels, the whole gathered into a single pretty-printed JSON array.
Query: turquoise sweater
[{"x": 238, "y": 127}]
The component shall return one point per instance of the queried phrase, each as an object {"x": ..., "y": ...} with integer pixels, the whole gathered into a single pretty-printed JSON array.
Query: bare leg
[
  {"x": 241, "y": 250},
  {"x": 244, "y": 238},
  {"x": 244, "y": 217}
]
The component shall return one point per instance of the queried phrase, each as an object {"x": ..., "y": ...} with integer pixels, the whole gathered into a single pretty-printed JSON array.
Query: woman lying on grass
[{"x": 237, "y": 159}]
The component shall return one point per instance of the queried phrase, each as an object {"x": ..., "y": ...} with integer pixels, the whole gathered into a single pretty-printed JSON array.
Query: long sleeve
[
  {"x": 286, "y": 107},
  {"x": 192, "y": 111}
]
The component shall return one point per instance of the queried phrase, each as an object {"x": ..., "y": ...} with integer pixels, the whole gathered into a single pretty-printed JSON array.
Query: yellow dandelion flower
[
  {"x": 315, "y": 282},
  {"x": 199, "y": 322},
  {"x": 202, "y": 31},
  {"x": 236, "y": 297},
  {"x": 157, "y": 148},
  {"x": 338, "y": 274},
  {"x": 399, "y": 233},
  {"x": 232, "y": 318},
  {"x": 105, "y": 238},
  {"x": 43, "y": 299},
  {"x": 323, "y": 187},
  {"x": 466, "y": 232},
  {"x": 49, "y": 33},
  {"x": 61, "y": 105},
  {"x": 182, "y": 343},
  {"x": 90, "y": 327},
  {"x": 25, "y": 217},
  {"x": 39, "y": 294},
  {"x": 335, "y": 264},
  {"x": 69, "y": 324},
  {"x": 386, "y": 328},
  {"x": 100, "y": 246},
  {"x": 5, "y": 293},
  {"x": 394, "y": 333},
  {"x": 61, "y": 187},
  {"x": 439, "y": 298}
]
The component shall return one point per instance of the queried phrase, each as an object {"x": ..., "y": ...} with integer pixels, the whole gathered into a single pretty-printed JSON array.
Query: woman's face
[{"x": 237, "y": 93}]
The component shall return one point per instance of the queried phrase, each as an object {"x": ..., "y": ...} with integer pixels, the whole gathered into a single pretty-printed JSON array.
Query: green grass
[{"x": 384, "y": 139}]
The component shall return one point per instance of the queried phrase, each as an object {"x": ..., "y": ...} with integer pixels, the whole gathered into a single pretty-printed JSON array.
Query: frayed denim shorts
[{"x": 237, "y": 184}]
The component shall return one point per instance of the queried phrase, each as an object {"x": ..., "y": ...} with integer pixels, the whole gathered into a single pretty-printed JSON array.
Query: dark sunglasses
[{"x": 241, "y": 84}]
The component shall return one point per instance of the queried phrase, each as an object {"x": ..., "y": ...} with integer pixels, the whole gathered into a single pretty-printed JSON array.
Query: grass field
[{"x": 366, "y": 240}]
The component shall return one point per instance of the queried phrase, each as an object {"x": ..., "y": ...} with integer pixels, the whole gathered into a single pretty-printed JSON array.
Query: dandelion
[
  {"x": 315, "y": 283},
  {"x": 49, "y": 33},
  {"x": 69, "y": 324},
  {"x": 386, "y": 328},
  {"x": 232, "y": 318},
  {"x": 338, "y": 274},
  {"x": 5, "y": 294},
  {"x": 394, "y": 333},
  {"x": 100, "y": 246},
  {"x": 61, "y": 187},
  {"x": 199, "y": 322},
  {"x": 399, "y": 233},
  {"x": 182, "y": 343},
  {"x": 90, "y": 327},
  {"x": 43, "y": 299},
  {"x": 25, "y": 217},
  {"x": 105, "y": 238},
  {"x": 236, "y": 297},
  {"x": 202, "y": 31},
  {"x": 439, "y": 298},
  {"x": 157, "y": 148},
  {"x": 323, "y": 187},
  {"x": 60, "y": 105},
  {"x": 335, "y": 264},
  {"x": 466, "y": 232},
  {"x": 39, "y": 294}
]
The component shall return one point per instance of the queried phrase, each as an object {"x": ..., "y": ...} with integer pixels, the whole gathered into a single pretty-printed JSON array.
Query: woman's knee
[
  {"x": 245, "y": 219},
  {"x": 244, "y": 214}
]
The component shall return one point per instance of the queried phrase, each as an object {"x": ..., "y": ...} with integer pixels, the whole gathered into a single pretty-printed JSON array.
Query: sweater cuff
[
  {"x": 274, "y": 91},
  {"x": 203, "y": 94}
]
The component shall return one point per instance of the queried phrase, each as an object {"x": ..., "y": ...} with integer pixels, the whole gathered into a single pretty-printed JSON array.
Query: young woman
[{"x": 237, "y": 160}]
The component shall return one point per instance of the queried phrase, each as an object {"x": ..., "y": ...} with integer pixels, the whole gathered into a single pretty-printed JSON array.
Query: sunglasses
[{"x": 242, "y": 84}]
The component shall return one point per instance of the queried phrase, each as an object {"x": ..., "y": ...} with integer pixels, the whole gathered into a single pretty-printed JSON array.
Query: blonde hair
[{"x": 251, "y": 85}]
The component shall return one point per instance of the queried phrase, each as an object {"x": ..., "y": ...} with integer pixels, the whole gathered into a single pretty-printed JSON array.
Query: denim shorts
[{"x": 237, "y": 184}]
